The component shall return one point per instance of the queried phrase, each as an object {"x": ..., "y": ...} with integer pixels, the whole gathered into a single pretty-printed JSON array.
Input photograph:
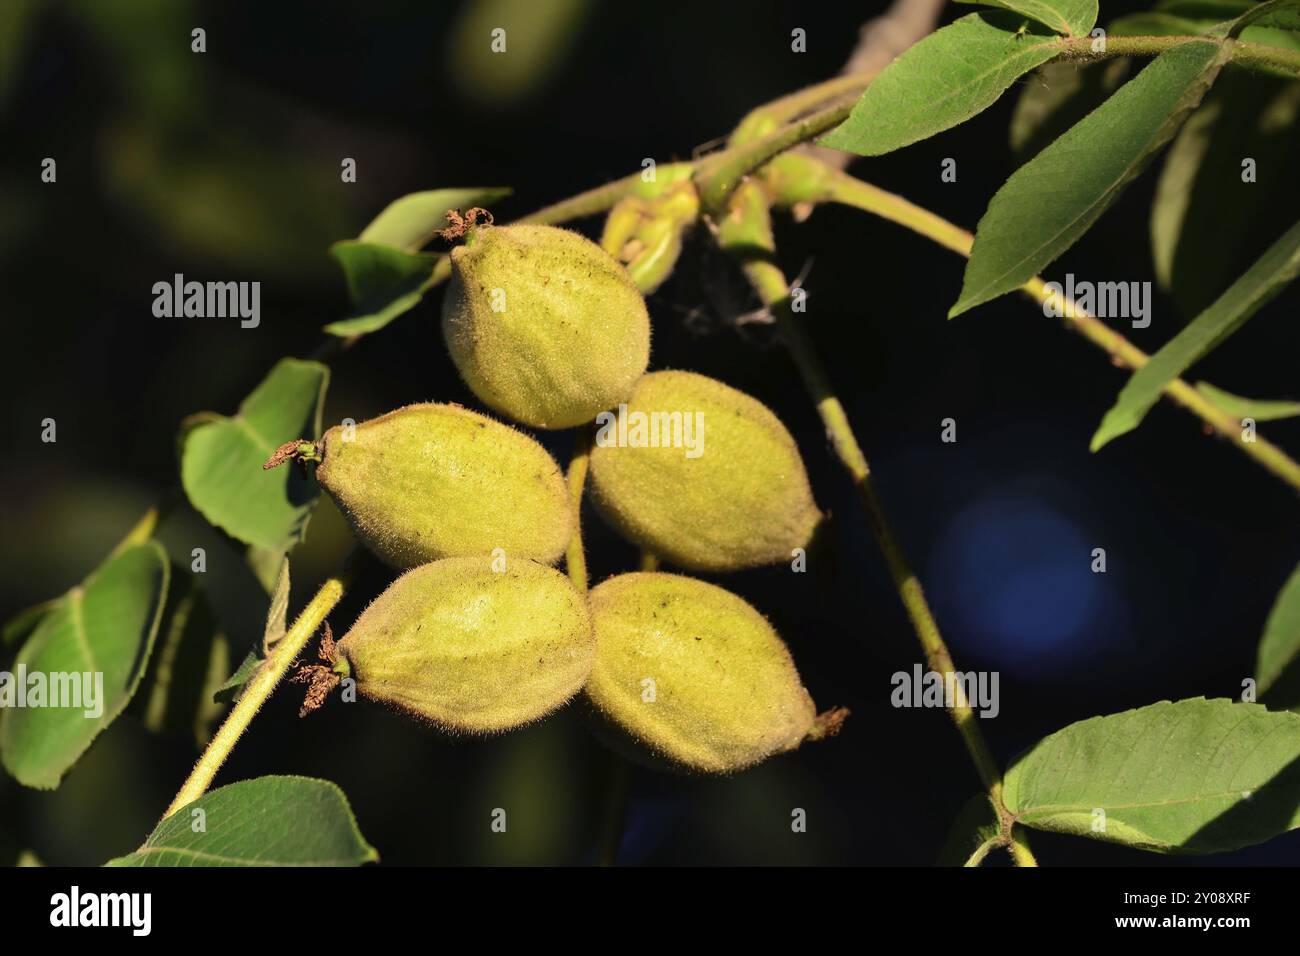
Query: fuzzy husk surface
[
  {"x": 744, "y": 502},
  {"x": 571, "y": 334},
  {"x": 433, "y": 481},
  {"x": 727, "y": 694},
  {"x": 472, "y": 649}
]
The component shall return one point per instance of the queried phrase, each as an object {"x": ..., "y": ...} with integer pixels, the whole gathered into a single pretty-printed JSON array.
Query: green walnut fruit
[
  {"x": 434, "y": 481},
  {"x": 544, "y": 325},
  {"x": 702, "y": 475},
  {"x": 694, "y": 673},
  {"x": 470, "y": 648}
]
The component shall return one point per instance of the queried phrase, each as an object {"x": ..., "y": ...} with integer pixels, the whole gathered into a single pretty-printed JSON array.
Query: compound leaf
[
  {"x": 945, "y": 79},
  {"x": 1279, "y": 648},
  {"x": 221, "y": 458},
  {"x": 1070, "y": 17},
  {"x": 87, "y": 654},
  {"x": 1195, "y": 776},
  {"x": 413, "y": 220},
  {"x": 1262, "y": 281},
  {"x": 1053, "y": 199},
  {"x": 267, "y": 821}
]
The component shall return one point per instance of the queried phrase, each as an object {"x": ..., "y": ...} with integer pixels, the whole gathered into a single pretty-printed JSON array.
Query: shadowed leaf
[
  {"x": 968, "y": 838},
  {"x": 1057, "y": 96},
  {"x": 383, "y": 282},
  {"x": 189, "y": 659},
  {"x": 276, "y": 625},
  {"x": 1279, "y": 648},
  {"x": 1262, "y": 281},
  {"x": 267, "y": 821},
  {"x": 104, "y": 628}
]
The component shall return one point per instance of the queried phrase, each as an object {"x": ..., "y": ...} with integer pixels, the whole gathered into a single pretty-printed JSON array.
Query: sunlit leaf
[
  {"x": 1260, "y": 410},
  {"x": 221, "y": 461},
  {"x": 943, "y": 80},
  {"x": 1053, "y": 199},
  {"x": 1070, "y": 17},
  {"x": 1195, "y": 776},
  {"x": 267, "y": 821},
  {"x": 1261, "y": 282},
  {"x": 413, "y": 220},
  {"x": 100, "y": 633}
]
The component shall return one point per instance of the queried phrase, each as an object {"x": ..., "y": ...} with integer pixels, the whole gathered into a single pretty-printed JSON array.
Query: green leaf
[
  {"x": 1284, "y": 14},
  {"x": 972, "y": 835},
  {"x": 1059, "y": 95},
  {"x": 1195, "y": 776},
  {"x": 943, "y": 80},
  {"x": 267, "y": 821},
  {"x": 276, "y": 625},
  {"x": 105, "y": 627},
  {"x": 1258, "y": 409},
  {"x": 1262, "y": 281},
  {"x": 413, "y": 220},
  {"x": 1279, "y": 648},
  {"x": 1207, "y": 225},
  {"x": 190, "y": 657},
  {"x": 383, "y": 282},
  {"x": 221, "y": 459},
  {"x": 1053, "y": 199},
  {"x": 1071, "y": 17}
]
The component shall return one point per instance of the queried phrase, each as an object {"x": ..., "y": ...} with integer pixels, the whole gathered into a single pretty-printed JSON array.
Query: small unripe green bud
[
  {"x": 544, "y": 325},
  {"x": 433, "y": 481},
  {"x": 702, "y": 475},
  {"x": 646, "y": 234},
  {"x": 470, "y": 648},
  {"x": 695, "y": 674}
]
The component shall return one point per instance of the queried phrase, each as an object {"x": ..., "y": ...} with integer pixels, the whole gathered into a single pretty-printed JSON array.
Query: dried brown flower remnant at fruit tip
[
  {"x": 461, "y": 224},
  {"x": 320, "y": 679},
  {"x": 300, "y": 450},
  {"x": 828, "y": 723}
]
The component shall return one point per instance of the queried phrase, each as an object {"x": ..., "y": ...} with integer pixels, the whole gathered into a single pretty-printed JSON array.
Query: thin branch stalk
[
  {"x": 259, "y": 688},
  {"x": 851, "y": 191}
]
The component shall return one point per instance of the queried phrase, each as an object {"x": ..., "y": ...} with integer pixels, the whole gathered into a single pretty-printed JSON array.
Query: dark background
[{"x": 225, "y": 165}]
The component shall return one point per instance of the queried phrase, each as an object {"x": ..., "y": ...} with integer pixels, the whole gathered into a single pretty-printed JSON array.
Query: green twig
[
  {"x": 843, "y": 188},
  {"x": 746, "y": 232},
  {"x": 575, "y": 559},
  {"x": 259, "y": 688}
]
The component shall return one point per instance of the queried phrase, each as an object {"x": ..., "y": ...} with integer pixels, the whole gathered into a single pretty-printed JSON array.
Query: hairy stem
[
  {"x": 846, "y": 189},
  {"x": 746, "y": 232},
  {"x": 1019, "y": 847},
  {"x": 575, "y": 559},
  {"x": 259, "y": 688}
]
